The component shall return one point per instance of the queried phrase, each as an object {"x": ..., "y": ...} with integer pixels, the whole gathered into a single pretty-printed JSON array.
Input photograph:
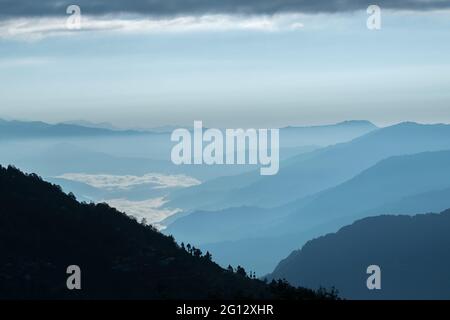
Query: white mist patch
[
  {"x": 107, "y": 181},
  {"x": 149, "y": 209}
]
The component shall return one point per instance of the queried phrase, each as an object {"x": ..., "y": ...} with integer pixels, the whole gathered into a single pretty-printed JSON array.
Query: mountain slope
[
  {"x": 401, "y": 184},
  {"x": 389, "y": 180},
  {"x": 431, "y": 201},
  {"x": 325, "y": 135},
  {"x": 43, "y": 231},
  {"x": 412, "y": 253},
  {"x": 89, "y": 124},
  {"x": 338, "y": 163},
  {"x": 267, "y": 250}
]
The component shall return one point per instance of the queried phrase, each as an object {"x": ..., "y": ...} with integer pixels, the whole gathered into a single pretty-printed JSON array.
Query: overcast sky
[{"x": 229, "y": 63}]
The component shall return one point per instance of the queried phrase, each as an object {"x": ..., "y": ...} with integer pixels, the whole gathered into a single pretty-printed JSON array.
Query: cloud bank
[
  {"x": 37, "y": 28},
  {"x": 170, "y": 8},
  {"x": 110, "y": 182},
  {"x": 149, "y": 209},
  {"x": 34, "y": 20}
]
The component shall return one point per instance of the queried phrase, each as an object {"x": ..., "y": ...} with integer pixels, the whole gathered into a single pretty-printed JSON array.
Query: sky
[{"x": 227, "y": 63}]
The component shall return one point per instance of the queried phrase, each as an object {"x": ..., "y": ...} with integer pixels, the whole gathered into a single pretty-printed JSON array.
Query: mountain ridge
[
  {"x": 33, "y": 129},
  {"x": 43, "y": 231},
  {"x": 389, "y": 181},
  {"x": 412, "y": 252}
]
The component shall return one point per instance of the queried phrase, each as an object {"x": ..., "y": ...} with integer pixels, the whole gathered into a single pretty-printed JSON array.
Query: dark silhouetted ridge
[
  {"x": 43, "y": 231},
  {"x": 412, "y": 252}
]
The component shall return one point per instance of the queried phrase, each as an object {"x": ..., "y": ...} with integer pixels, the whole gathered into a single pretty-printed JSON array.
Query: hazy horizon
[
  {"x": 257, "y": 69},
  {"x": 99, "y": 123}
]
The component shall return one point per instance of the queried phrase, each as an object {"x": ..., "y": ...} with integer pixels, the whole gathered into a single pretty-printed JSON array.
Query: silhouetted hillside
[
  {"x": 412, "y": 252},
  {"x": 43, "y": 231}
]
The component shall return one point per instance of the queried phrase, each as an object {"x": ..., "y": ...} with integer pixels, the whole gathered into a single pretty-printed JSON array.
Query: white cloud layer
[
  {"x": 148, "y": 209},
  {"x": 107, "y": 181},
  {"x": 38, "y": 28}
]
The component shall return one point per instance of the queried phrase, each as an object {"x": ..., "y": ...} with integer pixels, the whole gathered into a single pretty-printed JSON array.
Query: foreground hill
[
  {"x": 43, "y": 231},
  {"x": 412, "y": 252}
]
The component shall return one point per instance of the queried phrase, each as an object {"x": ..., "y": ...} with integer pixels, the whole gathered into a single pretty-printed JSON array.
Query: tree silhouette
[
  {"x": 208, "y": 256},
  {"x": 196, "y": 252},
  {"x": 241, "y": 271}
]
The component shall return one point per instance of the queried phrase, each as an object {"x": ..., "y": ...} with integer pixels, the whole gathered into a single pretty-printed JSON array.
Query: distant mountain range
[
  {"x": 390, "y": 180},
  {"x": 268, "y": 249},
  {"x": 375, "y": 184},
  {"x": 325, "y": 135},
  {"x": 412, "y": 252},
  {"x": 393, "y": 185},
  {"x": 43, "y": 231},
  {"x": 252, "y": 189},
  {"x": 81, "y": 146},
  {"x": 89, "y": 124},
  {"x": 51, "y": 149},
  {"x": 23, "y": 129},
  {"x": 316, "y": 171}
]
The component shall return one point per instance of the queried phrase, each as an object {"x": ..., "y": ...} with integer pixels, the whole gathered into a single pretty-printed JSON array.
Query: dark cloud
[{"x": 23, "y": 8}]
